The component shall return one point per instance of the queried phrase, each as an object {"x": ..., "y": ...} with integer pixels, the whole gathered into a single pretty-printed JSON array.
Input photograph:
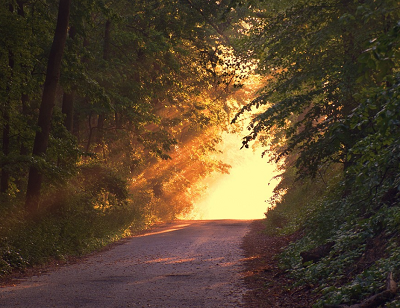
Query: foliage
[
  {"x": 139, "y": 108},
  {"x": 83, "y": 216},
  {"x": 295, "y": 201},
  {"x": 365, "y": 246},
  {"x": 316, "y": 63},
  {"x": 332, "y": 98}
]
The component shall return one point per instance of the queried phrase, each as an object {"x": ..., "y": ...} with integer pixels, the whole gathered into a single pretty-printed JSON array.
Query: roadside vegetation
[
  {"x": 331, "y": 117},
  {"x": 110, "y": 113}
]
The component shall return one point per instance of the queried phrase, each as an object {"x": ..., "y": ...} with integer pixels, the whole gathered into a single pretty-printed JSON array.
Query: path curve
[{"x": 182, "y": 264}]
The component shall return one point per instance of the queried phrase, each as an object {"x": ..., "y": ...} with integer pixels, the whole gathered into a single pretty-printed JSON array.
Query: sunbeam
[{"x": 242, "y": 194}]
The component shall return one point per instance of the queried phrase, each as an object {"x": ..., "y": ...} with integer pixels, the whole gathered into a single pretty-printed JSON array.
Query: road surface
[{"x": 182, "y": 264}]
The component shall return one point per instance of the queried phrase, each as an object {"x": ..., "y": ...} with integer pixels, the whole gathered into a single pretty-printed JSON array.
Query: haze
[{"x": 243, "y": 193}]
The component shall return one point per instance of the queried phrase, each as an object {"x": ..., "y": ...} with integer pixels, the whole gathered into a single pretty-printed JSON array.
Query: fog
[{"x": 243, "y": 193}]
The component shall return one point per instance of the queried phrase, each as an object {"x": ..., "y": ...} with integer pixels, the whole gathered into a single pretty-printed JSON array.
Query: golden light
[{"x": 242, "y": 194}]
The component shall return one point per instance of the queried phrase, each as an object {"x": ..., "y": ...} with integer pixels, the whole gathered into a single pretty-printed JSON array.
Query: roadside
[
  {"x": 18, "y": 275},
  {"x": 268, "y": 285}
]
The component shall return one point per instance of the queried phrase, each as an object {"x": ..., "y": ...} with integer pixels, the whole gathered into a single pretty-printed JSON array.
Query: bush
[
  {"x": 364, "y": 232},
  {"x": 90, "y": 211}
]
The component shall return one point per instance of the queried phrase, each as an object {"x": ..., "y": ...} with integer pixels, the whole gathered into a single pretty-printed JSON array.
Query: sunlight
[
  {"x": 175, "y": 228},
  {"x": 243, "y": 193}
]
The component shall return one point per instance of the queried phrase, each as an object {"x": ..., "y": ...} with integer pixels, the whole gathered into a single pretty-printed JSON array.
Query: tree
[
  {"x": 376, "y": 171},
  {"x": 47, "y": 105},
  {"x": 147, "y": 74},
  {"x": 20, "y": 60},
  {"x": 311, "y": 50}
]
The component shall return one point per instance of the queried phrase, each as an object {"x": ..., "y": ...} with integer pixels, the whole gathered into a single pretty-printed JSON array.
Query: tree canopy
[
  {"x": 135, "y": 81},
  {"x": 333, "y": 69},
  {"x": 109, "y": 113},
  {"x": 330, "y": 113}
]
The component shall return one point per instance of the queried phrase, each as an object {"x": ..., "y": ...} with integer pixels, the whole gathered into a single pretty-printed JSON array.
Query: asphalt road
[{"x": 183, "y": 264}]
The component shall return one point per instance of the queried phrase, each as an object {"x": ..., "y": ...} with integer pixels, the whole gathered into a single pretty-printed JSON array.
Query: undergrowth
[
  {"x": 363, "y": 232},
  {"x": 89, "y": 212}
]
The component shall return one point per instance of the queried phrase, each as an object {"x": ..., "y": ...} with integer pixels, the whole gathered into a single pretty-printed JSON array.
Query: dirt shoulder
[{"x": 268, "y": 285}]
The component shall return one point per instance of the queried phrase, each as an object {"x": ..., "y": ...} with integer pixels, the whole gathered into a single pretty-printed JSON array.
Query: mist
[{"x": 243, "y": 193}]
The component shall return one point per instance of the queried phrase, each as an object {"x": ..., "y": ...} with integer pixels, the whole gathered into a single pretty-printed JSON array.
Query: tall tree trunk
[
  {"x": 118, "y": 120},
  {"x": 20, "y": 8},
  {"x": 102, "y": 116},
  {"x": 76, "y": 126},
  {"x": 68, "y": 97},
  {"x": 24, "y": 101},
  {"x": 100, "y": 128},
  {"x": 5, "y": 175},
  {"x": 47, "y": 105},
  {"x": 76, "y": 114},
  {"x": 68, "y": 110},
  {"x": 107, "y": 41},
  {"x": 89, "y": 141}
]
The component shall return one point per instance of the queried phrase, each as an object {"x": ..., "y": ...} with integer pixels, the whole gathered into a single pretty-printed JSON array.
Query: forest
[{"x": 111, "y": 113}]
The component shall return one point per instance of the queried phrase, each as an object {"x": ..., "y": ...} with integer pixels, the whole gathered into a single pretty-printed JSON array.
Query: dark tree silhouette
[{"x": 47, "y": 104}]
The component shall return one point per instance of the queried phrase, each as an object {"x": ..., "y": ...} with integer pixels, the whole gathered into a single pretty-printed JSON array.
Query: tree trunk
[
  {"x": 76, "y": 126},
  {"x": 106, "y": 57},
  {"x": 47, "y": 105},
  {"x": 68, "y": 110},
  {"x": 76, "y": 122},
  {"x": 68, "y": 97},
  {"x": 100, "y": 128},
  {"x": 89, "y": 141},
  {"x": 118, "y": 120},
  {"x": 24, "y": 101},
  {"x": 107, "y": 41},
  {"x": 20, "y": 8},
  {"x": 99, "y": 133},
  {"x": 5, "y": 175}
]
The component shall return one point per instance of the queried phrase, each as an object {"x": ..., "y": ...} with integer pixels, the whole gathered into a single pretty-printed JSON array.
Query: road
[{"x": 182, "y": 264}]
